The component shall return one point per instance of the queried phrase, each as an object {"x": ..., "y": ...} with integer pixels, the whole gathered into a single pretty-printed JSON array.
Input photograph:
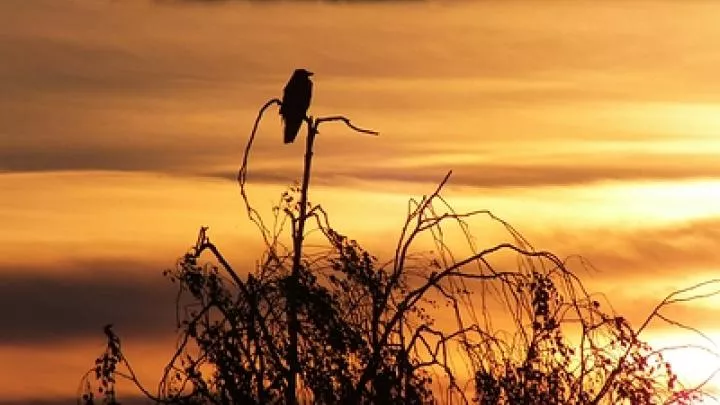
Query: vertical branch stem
[{"x": 298, "y": 237}]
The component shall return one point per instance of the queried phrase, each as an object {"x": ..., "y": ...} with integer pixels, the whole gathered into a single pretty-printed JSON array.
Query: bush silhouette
[{"x": 332, "y": 323}]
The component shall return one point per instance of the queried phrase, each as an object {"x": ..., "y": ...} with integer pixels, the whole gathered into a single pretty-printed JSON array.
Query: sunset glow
[{"x": 592, "y": 127}]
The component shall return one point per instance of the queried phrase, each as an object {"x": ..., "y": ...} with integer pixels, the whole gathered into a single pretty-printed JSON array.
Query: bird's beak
[{"x": 310, "y": 73}]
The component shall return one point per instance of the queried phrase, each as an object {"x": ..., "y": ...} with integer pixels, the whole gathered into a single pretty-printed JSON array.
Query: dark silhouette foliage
[{"x": 331, "y": 323}]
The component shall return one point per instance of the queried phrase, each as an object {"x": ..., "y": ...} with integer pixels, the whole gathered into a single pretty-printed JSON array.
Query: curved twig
[{"x": 347, "y": 122}]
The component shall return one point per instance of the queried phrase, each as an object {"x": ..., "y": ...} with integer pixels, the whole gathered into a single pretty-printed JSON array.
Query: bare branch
[{"x": 347, "y": 122}]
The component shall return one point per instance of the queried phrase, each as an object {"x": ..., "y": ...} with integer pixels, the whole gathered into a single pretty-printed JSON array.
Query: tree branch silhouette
[
  {"x": 331, "y": 323},
  {"x": 298, "y": 224}
]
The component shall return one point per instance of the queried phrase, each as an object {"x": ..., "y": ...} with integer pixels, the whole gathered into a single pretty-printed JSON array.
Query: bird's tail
[{"x": 292, "y": 127}]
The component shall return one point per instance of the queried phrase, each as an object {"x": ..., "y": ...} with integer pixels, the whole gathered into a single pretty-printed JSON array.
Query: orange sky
[{"x": 593, "y": 127}]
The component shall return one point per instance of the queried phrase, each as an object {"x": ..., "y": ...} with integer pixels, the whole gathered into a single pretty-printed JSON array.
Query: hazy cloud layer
[
  {"x": 273, "y": 170},
  {"x": 683, "y": 252},
  {"x": 58, "y": 304},
  {"x": 75, "y": 300},
  {"x": 492, "y": 175},
  {"x": 142, "y": 87}
]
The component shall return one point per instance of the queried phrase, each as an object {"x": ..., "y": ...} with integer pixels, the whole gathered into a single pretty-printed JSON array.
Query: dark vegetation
[{"x": 329, "y": 322}]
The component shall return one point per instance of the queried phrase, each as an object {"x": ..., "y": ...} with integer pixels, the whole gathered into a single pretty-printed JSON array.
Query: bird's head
[{"x": 303, "y": 73}]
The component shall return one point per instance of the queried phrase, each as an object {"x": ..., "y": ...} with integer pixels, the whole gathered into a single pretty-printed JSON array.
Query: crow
[{"x": 295, "y": 102}]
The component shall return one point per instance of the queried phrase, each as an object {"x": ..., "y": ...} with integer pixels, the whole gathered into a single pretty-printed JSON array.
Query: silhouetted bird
[{"x": 295, "y": 102}]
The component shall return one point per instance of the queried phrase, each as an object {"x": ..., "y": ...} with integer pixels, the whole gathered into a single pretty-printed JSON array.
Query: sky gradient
[{"x": 593, "y": 127}]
